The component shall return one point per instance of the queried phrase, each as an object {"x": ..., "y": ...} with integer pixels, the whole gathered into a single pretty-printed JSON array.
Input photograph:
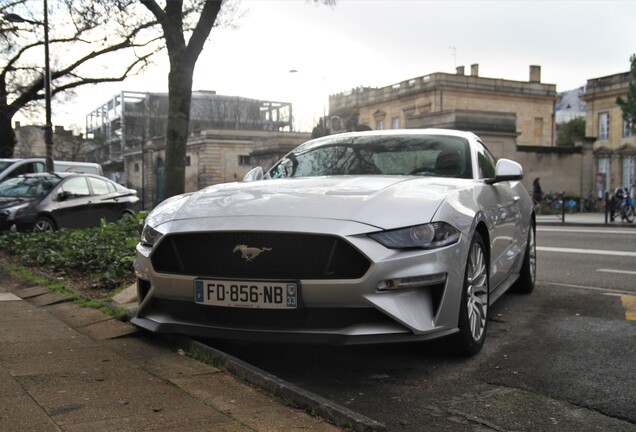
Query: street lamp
[{"x": 48, "y": 127}]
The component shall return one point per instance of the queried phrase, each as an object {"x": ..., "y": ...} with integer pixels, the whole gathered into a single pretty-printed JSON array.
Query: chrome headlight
[
  {"x": 13, "y": 211},
  {"x": 150, "y": 236},
  {"x": 427, "y": 236}
]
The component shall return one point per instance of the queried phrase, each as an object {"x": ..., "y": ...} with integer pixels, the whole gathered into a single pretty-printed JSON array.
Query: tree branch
[
  {"x": 85, "y": 81},
  {"x": 204, "y": 26}
]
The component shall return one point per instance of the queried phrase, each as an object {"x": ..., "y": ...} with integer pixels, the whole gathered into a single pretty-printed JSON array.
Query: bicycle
[{"x": 625, "y": 203}]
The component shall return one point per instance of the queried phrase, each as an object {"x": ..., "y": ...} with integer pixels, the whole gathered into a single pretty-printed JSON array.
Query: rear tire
[
  {"x": 473, "y": 308},
  {"x": 528, "y": 274},
  {"x": 629, "y": 213}
]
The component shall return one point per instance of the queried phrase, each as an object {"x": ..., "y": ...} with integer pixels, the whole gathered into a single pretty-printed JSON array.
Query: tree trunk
[
  {"x": 179, "y": 98},
  {"x": 7, "y": 136}
]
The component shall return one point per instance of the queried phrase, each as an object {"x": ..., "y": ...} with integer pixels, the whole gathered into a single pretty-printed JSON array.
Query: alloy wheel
[{"x": 477, "y": 291}]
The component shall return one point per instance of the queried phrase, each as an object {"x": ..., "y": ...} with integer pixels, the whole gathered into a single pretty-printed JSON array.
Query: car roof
[
  {"x": 406, "y": 132},
  {"x": 63, "y": 175}
]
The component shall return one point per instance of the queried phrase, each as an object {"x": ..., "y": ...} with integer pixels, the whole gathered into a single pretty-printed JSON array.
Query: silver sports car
[{"x": 364, "y": 237}]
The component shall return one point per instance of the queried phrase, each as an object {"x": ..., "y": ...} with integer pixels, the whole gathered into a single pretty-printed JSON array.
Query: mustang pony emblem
[{"x": 249, "y": 253}]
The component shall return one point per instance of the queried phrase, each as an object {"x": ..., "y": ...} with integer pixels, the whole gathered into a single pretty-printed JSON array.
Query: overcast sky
[{"x": 382, "y": 42}]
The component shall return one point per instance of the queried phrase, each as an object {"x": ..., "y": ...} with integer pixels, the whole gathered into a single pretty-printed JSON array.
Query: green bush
[{"x": 105, "y": 253}]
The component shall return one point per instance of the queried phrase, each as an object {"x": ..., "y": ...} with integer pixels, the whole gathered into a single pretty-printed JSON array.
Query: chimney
[
  {"x": 474, "y": 70},
  {"x": 460, "y": 70},
  {"x": 535, "y": 74}
]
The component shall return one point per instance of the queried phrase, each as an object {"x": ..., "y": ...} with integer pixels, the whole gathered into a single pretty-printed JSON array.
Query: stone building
[
  {"x": 66, "y": 144},
  {"x": 614, "y": 143},
  {"x": 515, "y": 119},
  {"x": 128, "y": 118},
  {"x": 400, "y": 105},
  {"x": 213, "y": 156}
]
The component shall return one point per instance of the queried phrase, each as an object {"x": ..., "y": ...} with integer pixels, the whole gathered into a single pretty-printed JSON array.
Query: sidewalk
[
  {"x": 64, "y": 367},
  {"x": 583, "y": 219}
]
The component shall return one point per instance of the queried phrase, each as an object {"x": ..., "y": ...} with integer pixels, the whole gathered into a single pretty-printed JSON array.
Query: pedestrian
[{"x": 537, "y": 192}]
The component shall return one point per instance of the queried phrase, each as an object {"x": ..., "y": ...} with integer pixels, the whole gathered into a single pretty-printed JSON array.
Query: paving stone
[
  {"x": 9, "y": 387},
  {"x": 7, "y": 296},
  {"x": 87, "y": 402},
  {"x": 21, "y": 414},
  {"x": 256, "y": 409},
  {"x": 49, "y": 298},
  {"x": 77, "y": 316},
  {"x": 20, "y": 311},
  {"x": 109, "y": 329},
  {"x": 201, "y": 418},
  {"x": 28, "y": 348},
  {"x": 34, "y": 330},
  {"x": 29, "y": 292},
  {"x": 63, "y": 367},
  {"x": 138, "y": 346}
]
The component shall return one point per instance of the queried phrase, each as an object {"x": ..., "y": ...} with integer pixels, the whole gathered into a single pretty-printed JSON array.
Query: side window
[
  {"x": 26, "y": 168},
  {"x": 486, "y": 162},
  {"x": 100, "y": 187},
  {"x": 75, "y": 186}
]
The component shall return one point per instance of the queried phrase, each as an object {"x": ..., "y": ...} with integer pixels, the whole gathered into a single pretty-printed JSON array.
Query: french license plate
[{"x": 246, "y": 294}]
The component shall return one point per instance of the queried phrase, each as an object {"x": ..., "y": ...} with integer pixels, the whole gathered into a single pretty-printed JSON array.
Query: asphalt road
[{"x": 559, "y": 359}]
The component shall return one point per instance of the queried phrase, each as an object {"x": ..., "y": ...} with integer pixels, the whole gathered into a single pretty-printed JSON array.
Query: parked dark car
[{"x": 47, "y": 202}]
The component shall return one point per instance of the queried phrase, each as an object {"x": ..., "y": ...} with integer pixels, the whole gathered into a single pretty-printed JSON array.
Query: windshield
[
  {"x": 421, "y": 155},
  {"x": 28, "y": 187}
]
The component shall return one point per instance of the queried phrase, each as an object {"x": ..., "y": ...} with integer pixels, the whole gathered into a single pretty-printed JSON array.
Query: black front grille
[
  {"x": 301, "y": 318},
  {"x": 269, "y": 256}
]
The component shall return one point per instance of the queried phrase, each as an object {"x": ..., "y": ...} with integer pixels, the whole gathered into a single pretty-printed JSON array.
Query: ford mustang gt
[{"x": 362, "y": 237}]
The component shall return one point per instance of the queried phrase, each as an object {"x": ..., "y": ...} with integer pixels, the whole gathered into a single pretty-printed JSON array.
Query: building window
[
  {"x": 603, "y": 176},
  {"x": 627, "y": 128},
  {"x": 136, "y": 167},
  {"x": 395, "y": 123},
  {"x": 379, "y": 125},
  {"x": 244, "y": 160},
  {"x": 628, "y": 171},
  {"x": 603, "y": 126},
  {"x": 188, "y": 161},
  {"x": 538, "y": 127}
]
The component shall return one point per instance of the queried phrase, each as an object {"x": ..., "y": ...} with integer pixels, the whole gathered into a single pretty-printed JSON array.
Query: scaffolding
[{"x": 131, "y": 117}]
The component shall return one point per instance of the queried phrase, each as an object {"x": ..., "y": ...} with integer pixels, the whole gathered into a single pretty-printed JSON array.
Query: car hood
[
  {"x": 6, "y": 202},
  {"x": 381, "y": 201}
]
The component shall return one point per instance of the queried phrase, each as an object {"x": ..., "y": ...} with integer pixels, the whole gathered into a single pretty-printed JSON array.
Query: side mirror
[
  {"x": 254, "y": 174},
  {"x": 62, "y": 196},
  {"x": 507, "y": 170}
]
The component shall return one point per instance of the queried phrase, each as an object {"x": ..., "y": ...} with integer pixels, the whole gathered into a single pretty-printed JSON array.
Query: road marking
[
  {"x": 629, "y": 303},
  {"x": 606, "y": 291},
  {"x": 586, "y": 251},
  {"x": 617, "y": 271},
  {"x": 628, "y": 231}
]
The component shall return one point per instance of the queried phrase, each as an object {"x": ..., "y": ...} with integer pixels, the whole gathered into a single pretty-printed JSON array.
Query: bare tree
[
  {"x": 87, "y": 45},
  {"x": 177, "y": 21},
  {"x": 183, "y": 57}
]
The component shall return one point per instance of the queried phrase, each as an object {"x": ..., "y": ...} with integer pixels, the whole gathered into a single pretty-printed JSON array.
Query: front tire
[
  {"x": 43, "y": 224},
  {"x": 473, "y": 308}
]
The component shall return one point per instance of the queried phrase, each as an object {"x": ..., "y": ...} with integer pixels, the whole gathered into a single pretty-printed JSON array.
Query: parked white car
[{"x": 10, "y": 168}]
